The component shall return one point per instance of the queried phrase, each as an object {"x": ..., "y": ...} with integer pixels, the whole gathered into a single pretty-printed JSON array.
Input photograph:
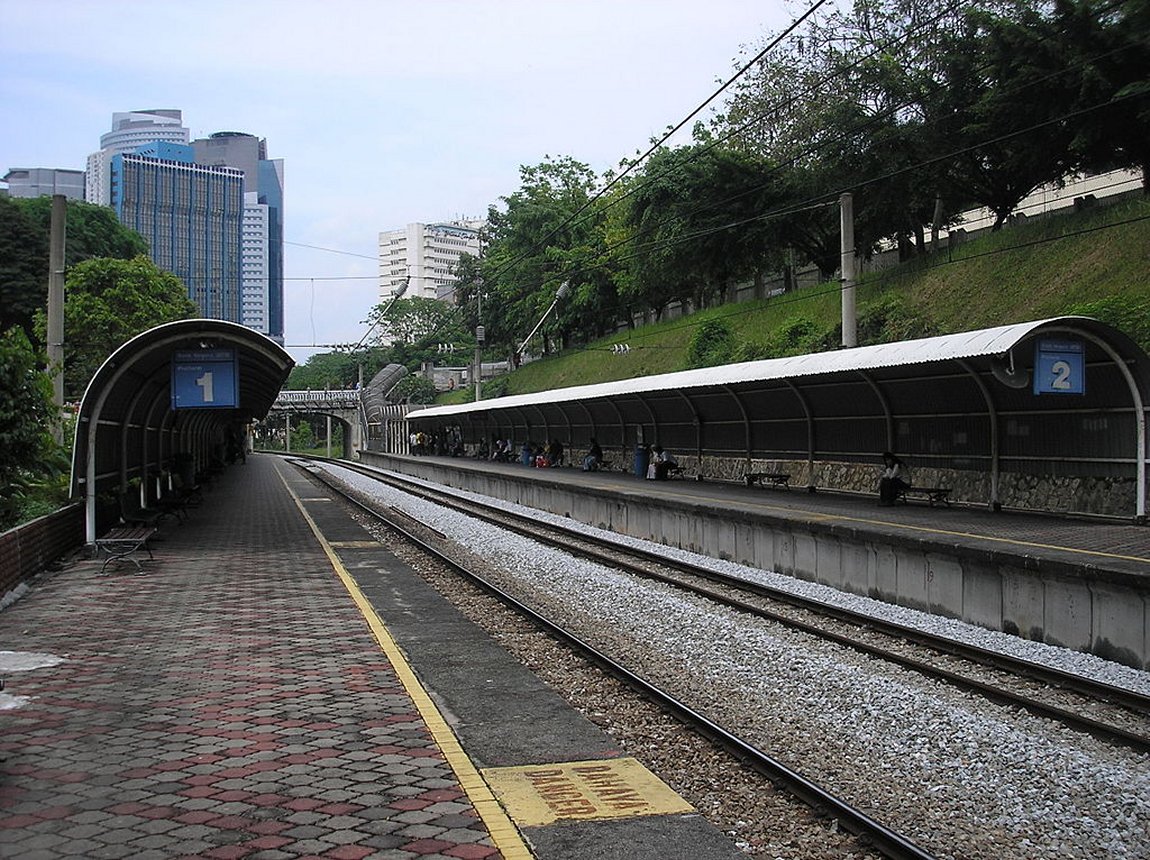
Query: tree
[
  {"x": 107, "y": 302},
  {"x": 26, "y": 412},
  {"x": 329, "y": 370},
  {"x": 23, "y": 267},
  {"x": 25, "y": 224}
]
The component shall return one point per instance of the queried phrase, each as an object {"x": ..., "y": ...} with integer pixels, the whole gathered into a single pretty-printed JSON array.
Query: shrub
[{"x": 713, "y": 343}]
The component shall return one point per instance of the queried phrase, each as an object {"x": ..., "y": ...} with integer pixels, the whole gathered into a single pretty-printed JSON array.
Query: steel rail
[
  {"x": 888, "y": 842},
  {"x": 1075, "y": 719},
  {"x": 1119, "y": 696}
]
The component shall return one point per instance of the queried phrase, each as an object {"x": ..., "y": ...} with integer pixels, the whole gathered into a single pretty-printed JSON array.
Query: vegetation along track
[{"x": 1112, "y": 713}]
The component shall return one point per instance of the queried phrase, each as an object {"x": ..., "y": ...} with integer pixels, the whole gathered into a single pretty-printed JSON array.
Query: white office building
[
  {"x": 130, "y": 130},
  {"x": 255, "y": 288},
  {"x": 427, "y": 255}
]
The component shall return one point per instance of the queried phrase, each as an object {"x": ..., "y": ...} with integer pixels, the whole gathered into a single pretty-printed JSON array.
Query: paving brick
[{"x": 197, "y": 717}]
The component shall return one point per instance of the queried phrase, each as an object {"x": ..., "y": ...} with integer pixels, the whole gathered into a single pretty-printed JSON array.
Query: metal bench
[
  {"x": 123, "y": 542},
  {"x": 768, "y": 479},
  {"x": 931, "y": 494}
]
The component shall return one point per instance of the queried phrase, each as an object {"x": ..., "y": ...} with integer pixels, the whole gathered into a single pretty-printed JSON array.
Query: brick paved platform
[
  {"x": 245, "y": 698},
  {"x": 230, "y": 702}
]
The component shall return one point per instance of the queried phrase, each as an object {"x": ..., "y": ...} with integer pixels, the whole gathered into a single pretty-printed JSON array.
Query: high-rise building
[
  {"x": 427, "y": 255},
  {"x": 191, "y": 216},
  {"x": 233, "y": 268},
  {"x": 263, "y": 247},
  {"x": 45, "y": 182},
  {"x": 130, "y": 131}
]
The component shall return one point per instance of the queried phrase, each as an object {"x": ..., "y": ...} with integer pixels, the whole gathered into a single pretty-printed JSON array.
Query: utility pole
[
  {"x": 57, "y": 238},
  {"x": 847, "y": 232}
]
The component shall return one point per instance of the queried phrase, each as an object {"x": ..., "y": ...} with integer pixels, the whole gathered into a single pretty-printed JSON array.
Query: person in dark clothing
[{"x": 893, "y": 480}]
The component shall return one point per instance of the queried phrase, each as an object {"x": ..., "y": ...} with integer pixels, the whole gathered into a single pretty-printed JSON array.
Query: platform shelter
[
  {"x": 171, "y": 398},
  {"x": 1048, "y": 414}
]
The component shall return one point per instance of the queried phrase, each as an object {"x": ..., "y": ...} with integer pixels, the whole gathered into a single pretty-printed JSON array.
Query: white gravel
[{"x": 963, "y": 777}]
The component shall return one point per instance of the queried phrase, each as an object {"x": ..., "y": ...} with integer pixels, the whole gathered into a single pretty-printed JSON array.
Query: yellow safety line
[
  {"x": 799, "y": 513},
  {"x": 503, "y": 832}
]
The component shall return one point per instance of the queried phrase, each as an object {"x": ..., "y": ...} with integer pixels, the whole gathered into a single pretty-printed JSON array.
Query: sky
[{"x": 384, "y": 113}]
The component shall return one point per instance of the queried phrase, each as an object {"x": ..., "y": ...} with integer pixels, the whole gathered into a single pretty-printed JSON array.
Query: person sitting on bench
[
  {"x": 893, "y": 480},
  {"x": 594, "y": 458},
  {"x": 661, "y": 464}
]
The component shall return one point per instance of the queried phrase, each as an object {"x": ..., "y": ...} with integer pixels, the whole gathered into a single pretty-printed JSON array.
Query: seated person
[
  {"x": 660, "y": 465},
  {"x": 893, "y": 480},
  {"x": 594, "y": 458}
]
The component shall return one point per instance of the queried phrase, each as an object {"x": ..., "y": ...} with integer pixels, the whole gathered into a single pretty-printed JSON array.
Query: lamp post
[{"x": 561, "y": 293}]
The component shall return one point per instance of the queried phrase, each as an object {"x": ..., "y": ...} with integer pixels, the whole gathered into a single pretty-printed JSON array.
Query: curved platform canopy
[
  {"x": 168, "y": 400},
  {"x": 1064, "y": 396}
]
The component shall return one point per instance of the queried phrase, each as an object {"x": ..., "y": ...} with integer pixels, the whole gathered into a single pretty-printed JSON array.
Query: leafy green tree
[
  {"x": 23, "y": 267},
  {"x": 26, "y": 413},
  {"x": 108, "y": 302},
  {"x": 25, "y": 225},
  {"x": 531, "y": 251},
  {"x": 1111, "y": 41},
  {"x": 414, "y": 389},
  {"x": 330, "y": 370}
]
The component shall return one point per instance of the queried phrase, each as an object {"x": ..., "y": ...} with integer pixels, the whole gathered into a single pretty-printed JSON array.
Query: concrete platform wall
[{"x": 1081, "y": 607}]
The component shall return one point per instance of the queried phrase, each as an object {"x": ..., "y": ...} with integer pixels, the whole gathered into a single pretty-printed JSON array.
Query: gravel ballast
[{"x": 961, "y": 776}]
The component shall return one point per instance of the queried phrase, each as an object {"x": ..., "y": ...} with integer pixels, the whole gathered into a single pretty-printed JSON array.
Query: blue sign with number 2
[{"x": 1060, "y": 367}]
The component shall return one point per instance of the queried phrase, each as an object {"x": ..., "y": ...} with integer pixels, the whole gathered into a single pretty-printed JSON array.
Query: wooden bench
[
  {"x": 768, "y": 479},
  {"x": 123, "y": 542},
  {"x": 931, "y": 494}
]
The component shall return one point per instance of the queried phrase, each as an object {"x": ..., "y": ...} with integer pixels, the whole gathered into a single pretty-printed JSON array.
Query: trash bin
[{"x": 642, "y": 456}]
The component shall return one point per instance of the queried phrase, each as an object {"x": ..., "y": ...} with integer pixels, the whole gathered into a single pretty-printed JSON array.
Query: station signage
[
  {"x": 1060, "y": 367},
  {"x": 205, "y": 379}
]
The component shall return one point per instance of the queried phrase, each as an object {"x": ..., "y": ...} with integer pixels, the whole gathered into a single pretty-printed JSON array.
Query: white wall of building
[{"x": 427, "y": 255}]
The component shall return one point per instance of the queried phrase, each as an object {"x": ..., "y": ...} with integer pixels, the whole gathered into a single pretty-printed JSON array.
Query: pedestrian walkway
[{"x": 230, "y": 702}]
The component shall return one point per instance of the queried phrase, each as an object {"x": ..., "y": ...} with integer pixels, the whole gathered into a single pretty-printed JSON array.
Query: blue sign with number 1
[
  {"x": 1060, "y": 367},
  {"x": 204, "y": 379}
]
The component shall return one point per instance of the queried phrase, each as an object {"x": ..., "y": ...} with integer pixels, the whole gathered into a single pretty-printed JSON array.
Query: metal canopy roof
[
  {"x": 907, "y": 353},
  {"x": 960, "y": 402},
  {"x": 127, "y": 427}
]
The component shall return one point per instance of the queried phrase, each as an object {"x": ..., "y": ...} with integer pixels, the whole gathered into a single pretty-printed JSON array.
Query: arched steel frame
[{"x": 939, "y": 400}]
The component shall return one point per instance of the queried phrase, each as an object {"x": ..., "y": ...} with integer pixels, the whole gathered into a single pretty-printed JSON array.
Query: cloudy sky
[{"x": 384, "y": 112}]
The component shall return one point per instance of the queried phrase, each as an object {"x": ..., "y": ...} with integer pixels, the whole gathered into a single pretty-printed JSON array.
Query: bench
[
  {"x": 768, "y": 479},
  {"x": 931, "y": 494},
  {"x": 123, "y": 542}
]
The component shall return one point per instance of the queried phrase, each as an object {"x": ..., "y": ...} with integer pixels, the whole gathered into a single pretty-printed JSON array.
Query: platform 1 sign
[
  {"x": 1060, "y": 367},
  {"x": 205, "y": 379}
]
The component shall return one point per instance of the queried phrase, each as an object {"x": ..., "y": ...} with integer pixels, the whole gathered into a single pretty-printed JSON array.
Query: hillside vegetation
[{"x": 1095, "y": 263}]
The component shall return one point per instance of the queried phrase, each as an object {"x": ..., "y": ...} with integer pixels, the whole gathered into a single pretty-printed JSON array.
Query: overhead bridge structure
[{"x": 1047, "y": 415}]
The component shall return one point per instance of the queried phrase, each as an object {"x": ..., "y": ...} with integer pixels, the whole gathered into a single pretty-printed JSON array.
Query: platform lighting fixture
[
  {"x": 395, "y": 297},
  {"x": 561, "y": 293}
]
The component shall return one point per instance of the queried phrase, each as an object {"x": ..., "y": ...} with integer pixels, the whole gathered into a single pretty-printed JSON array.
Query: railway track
[
  {"x": 886, "y": 841},
  {"x": 914, "y": 728},
  {"x": 1108, "y": 712}
]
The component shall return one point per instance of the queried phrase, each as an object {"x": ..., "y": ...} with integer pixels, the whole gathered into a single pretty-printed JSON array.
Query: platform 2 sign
[
  {"x": 205, "y": 379},
  {"x": 1060, "y": 367}
]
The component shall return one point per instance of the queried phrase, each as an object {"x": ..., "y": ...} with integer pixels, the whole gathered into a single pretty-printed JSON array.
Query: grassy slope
[{"x": 1015, "y": 275}]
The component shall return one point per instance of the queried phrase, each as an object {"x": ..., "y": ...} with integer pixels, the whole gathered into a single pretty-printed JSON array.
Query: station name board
[{"x": 205, "y": 379}]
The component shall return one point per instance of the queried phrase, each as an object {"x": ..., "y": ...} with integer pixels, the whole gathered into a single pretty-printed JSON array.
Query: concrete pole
[
  {"x": 328, "y": 436},
  {"x": 57, "y": 238},
  {"x": 850, "y": 318},
  {"x": 479, "y": 336},
  {"x": 287, "y": 432}
]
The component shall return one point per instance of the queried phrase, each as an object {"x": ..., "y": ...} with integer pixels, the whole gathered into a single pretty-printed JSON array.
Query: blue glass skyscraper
[{"x": 192, "y": 217}]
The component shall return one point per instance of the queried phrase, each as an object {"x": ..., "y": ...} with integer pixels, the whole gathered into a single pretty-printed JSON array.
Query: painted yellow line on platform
[
  {"x": 800, "y": 514},
  {"x": 503, "y": 831}
]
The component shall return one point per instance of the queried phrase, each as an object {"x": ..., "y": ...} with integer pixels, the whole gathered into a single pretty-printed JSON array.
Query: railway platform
[
  {"x": 1076, "y": 582},
  {"x": 275, "y": 684}
]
